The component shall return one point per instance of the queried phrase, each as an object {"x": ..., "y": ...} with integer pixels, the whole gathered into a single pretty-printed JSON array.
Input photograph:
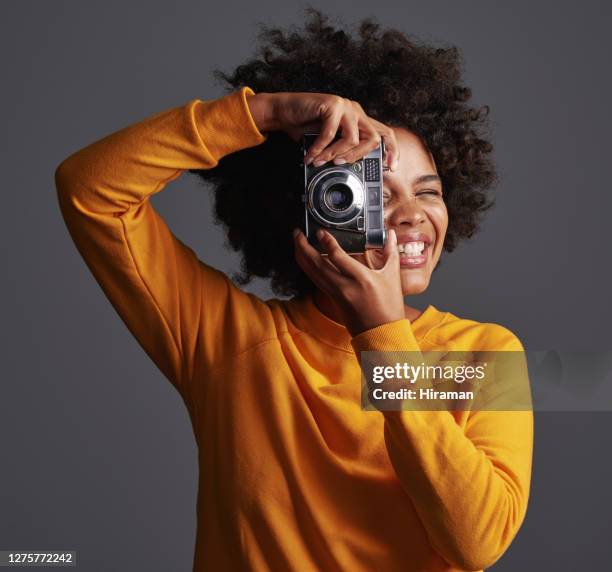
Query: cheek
[{"x": 438, "y": 215}]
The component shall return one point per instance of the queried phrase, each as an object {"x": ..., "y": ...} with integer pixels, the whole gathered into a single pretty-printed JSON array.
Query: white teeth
[{"x": 411, "y": 248}]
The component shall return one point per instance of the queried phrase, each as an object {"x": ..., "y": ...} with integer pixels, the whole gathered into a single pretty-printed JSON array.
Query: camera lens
[
  {"x": 338, "y": 197},
  {"x": 335, "y": 196}
]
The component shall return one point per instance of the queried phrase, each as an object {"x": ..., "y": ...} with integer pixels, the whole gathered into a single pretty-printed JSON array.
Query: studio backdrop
[{"x": 99, "y": 455}]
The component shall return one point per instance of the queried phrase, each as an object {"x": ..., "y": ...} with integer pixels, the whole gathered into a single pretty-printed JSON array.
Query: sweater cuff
[
  {"x": 226, "y": 125},
  {"x": 393, "y": 336}
]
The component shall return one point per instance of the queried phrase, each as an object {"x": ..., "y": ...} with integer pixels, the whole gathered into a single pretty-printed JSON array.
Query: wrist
[{"x": 261, "y": 107}]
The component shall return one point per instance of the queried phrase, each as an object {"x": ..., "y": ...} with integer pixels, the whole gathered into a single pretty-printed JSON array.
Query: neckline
[{"x": 308, "y": 318}]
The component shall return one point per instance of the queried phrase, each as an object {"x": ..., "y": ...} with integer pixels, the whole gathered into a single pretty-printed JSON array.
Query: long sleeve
[
  {"x": 469, "y": 486},
  {"x": 175, "y": 305}
]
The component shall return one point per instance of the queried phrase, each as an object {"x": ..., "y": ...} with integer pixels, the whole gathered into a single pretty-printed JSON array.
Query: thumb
[{"x": 390, "y": 248}]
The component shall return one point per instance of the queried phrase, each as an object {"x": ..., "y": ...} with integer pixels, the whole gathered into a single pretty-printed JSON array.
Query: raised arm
[{"x": 171, "y": 302}]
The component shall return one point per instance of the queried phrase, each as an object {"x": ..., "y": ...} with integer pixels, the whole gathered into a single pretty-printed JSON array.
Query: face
[{"x": 415, "y": 209}]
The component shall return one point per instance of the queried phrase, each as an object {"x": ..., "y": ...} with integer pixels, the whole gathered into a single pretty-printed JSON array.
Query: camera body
[{"x": 346, "y": 200}]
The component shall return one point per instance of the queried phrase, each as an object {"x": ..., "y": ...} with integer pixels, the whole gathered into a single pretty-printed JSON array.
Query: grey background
[{"x": 98, "y": 454}]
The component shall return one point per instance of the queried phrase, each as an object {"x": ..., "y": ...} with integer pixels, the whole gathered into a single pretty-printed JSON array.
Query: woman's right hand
[{"x": 297, "y": 113}]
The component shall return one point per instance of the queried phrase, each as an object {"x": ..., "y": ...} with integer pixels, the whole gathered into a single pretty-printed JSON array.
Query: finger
[
  {"x": 345, "y": 263},
  {"x": 348, "y": 140},
  {"x": 326, "y": 136},
  {"x": 308, "y": 267},
  {"x": 310, "y": 270},
  {"x": 390, "y": 253},
  {"x": 315, "y": 258},
  {"x": 392, "y": 153},
  {"x": 320, "y": 270},
  {"x": 391, "y": 158},
  {"x": 369, "y": 141}
]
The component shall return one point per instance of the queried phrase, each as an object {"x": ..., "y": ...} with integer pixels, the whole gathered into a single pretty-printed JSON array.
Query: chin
[{"x": 413, "y": 284}]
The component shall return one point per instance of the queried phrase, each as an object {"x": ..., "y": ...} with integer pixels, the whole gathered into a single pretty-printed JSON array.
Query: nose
[{"x": 409, "y": 212}]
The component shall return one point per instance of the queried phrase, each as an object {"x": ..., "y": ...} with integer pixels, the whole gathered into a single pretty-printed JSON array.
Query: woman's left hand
[{"x": 366, "y": 297}]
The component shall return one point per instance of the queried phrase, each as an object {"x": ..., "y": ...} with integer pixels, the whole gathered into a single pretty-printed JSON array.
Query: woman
[{"x": 294, "y": 474}]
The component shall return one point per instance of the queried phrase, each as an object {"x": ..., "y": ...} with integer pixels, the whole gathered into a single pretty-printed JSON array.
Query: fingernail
[
  {"x": 339, "y": 161},
  {"x": 320, "y": 234},
  {"x": 319, "y": 162},
  {"x": 308, "y": 160},
  {"x": 395, "y": 164},
  {"x": 296, "y": 231}
]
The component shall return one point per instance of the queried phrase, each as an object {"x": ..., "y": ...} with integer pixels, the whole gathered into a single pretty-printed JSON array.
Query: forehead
[{"x": 414, "y": 155}]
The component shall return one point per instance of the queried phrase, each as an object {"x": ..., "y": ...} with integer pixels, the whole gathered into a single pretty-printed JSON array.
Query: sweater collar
[{"x": 308, "y": 318}]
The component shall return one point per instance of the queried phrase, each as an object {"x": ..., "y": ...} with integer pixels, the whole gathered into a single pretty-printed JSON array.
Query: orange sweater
[{"x": 294, "y": 475}]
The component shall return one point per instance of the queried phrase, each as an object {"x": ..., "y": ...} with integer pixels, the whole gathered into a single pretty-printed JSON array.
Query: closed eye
[{"x": 433, "y": 192}]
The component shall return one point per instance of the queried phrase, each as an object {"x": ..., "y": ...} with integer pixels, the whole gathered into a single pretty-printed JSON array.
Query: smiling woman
[
  {"x": 295, "y": 474},
  {"x": 417, "y": 220},
  {"x": 415, "y": 208}
]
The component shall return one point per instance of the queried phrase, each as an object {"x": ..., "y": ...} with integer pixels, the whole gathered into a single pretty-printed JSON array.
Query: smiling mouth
[{"x": 413, "y": 254}]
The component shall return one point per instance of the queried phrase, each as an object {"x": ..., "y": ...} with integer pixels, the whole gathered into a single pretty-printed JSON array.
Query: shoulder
[{"x": 467, "y": 334}]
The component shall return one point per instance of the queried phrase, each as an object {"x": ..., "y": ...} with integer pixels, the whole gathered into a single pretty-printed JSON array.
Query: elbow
[
  {"x": 474, "y": 560},
  {"x": 71, "y": 169},
  {"x": 64, "y": 175},
  {"x": 479, "y": 546},
  {"x": 67, "y": 180},
  {"x": 474, "y": 555},
  {"x": 68, "y": 183},
  {"x": 63, "y": 178}
]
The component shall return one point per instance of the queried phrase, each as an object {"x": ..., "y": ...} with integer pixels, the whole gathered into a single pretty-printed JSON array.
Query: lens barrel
[{"x": 338, "y": 197}]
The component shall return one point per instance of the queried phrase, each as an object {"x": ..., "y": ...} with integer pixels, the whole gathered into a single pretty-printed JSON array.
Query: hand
[
  {"x": 366, "y": 297},
  {"x": 297, "y": 113}
]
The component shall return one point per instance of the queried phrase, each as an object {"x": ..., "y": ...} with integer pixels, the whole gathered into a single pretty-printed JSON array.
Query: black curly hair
[{"x": 399, "y": 82}]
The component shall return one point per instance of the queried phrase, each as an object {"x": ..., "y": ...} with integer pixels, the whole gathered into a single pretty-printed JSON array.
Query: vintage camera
[{"x": 345, "y": 200}]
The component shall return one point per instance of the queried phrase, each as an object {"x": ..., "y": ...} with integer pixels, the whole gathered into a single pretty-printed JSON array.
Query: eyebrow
[
  {"x": 424, "y": 179},
  {"x": 427, "y": 179}
]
